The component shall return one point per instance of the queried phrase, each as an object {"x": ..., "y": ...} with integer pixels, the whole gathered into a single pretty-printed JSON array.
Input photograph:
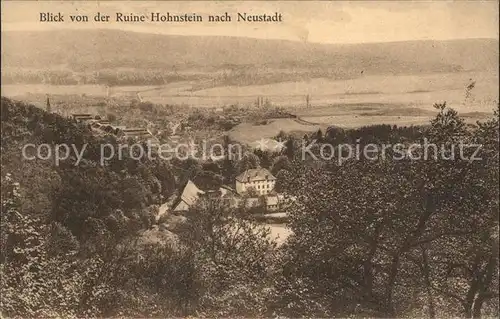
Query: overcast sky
[{"x": 325, "y": 22}]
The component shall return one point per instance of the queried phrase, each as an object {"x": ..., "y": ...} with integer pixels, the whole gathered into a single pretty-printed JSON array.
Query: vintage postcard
[{"x": 249, "y": 159}]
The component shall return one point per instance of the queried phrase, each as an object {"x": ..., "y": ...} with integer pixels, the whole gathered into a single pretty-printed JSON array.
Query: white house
[{"x": 259, "y": 179}]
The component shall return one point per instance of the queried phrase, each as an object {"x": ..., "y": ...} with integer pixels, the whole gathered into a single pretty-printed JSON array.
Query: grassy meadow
[{"x": 402, "y": 100}]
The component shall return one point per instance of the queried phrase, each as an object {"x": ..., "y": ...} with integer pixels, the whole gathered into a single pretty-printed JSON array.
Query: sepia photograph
[{"x": 249, "y": 159}]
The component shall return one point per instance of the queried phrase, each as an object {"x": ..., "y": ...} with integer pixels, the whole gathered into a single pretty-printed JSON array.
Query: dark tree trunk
[
  {"x": 389, "y": 305},
  {"x": 428, "y": 283}
]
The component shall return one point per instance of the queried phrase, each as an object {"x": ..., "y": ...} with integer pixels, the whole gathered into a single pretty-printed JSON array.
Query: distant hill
[{"x": 87, "y": 50}]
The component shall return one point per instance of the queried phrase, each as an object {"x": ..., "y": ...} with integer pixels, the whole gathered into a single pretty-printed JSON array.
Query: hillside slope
[
  {"x": 71, "y": 191},
  {"x": 86, "y": 50}
]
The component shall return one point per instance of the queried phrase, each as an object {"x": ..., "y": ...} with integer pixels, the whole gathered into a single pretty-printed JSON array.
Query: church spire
[{"x": 48, "y": 104}]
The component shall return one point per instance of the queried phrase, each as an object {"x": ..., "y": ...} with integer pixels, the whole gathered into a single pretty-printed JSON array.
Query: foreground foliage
[{"x": 378, "y": 238}]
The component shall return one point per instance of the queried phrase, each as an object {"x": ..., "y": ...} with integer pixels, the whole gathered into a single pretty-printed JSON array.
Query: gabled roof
[
  {"x": 190, "y": 193},
  {"x": 82, "y": 116},
  {"x": 181, "y": 207},
  {"x": 255, "y": 174},
  {"x": 135, "y": 131}
]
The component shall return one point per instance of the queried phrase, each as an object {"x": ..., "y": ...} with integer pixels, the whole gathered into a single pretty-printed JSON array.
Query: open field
[
  {"x": 249, "y": 133},
  {"x": 409, "y": 90},
  {"x": 356, "y": 115},
  {"x": 344, "y": 116},
  {"x": 279, "y": 232},
  {"x": 349, "y": 121},
  {"x": 402, "y": 100}
]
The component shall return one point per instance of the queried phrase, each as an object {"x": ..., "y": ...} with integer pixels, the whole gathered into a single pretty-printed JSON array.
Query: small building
[
  {"x": 260, "y": 179},
  {"x": 229, "y": 196},
  {"x": 253, "y": 202},
  {"x": 166, "y": 208},
  {"x": 136, "y": 132},
  {"x": 189, "y": 196},
  {"x": 103, "y": 125},
  {"x": 95, "y": 125},
  {"x": 82, "y": 117},
  {"x": 272, "y": 203},
  {"x": 141, "y": 134},
  {"x": 104, "y": 122}
]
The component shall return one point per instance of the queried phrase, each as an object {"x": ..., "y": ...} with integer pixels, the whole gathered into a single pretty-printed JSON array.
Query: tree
[
  {"x": 248, "y": 161},
  {"x": 265, "y": 158},
  {"x": 233, "y": 257},
  {"x": 319, "y": 135},
  {"x": 280, "y": 163},
  {"x": 228, "y": 169},
  {"x": 111, "y": 117},
  {"x": 34, "y": 282},
  {"x": 416, "y": 230},
  {"x": 208, "y": 180}
]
